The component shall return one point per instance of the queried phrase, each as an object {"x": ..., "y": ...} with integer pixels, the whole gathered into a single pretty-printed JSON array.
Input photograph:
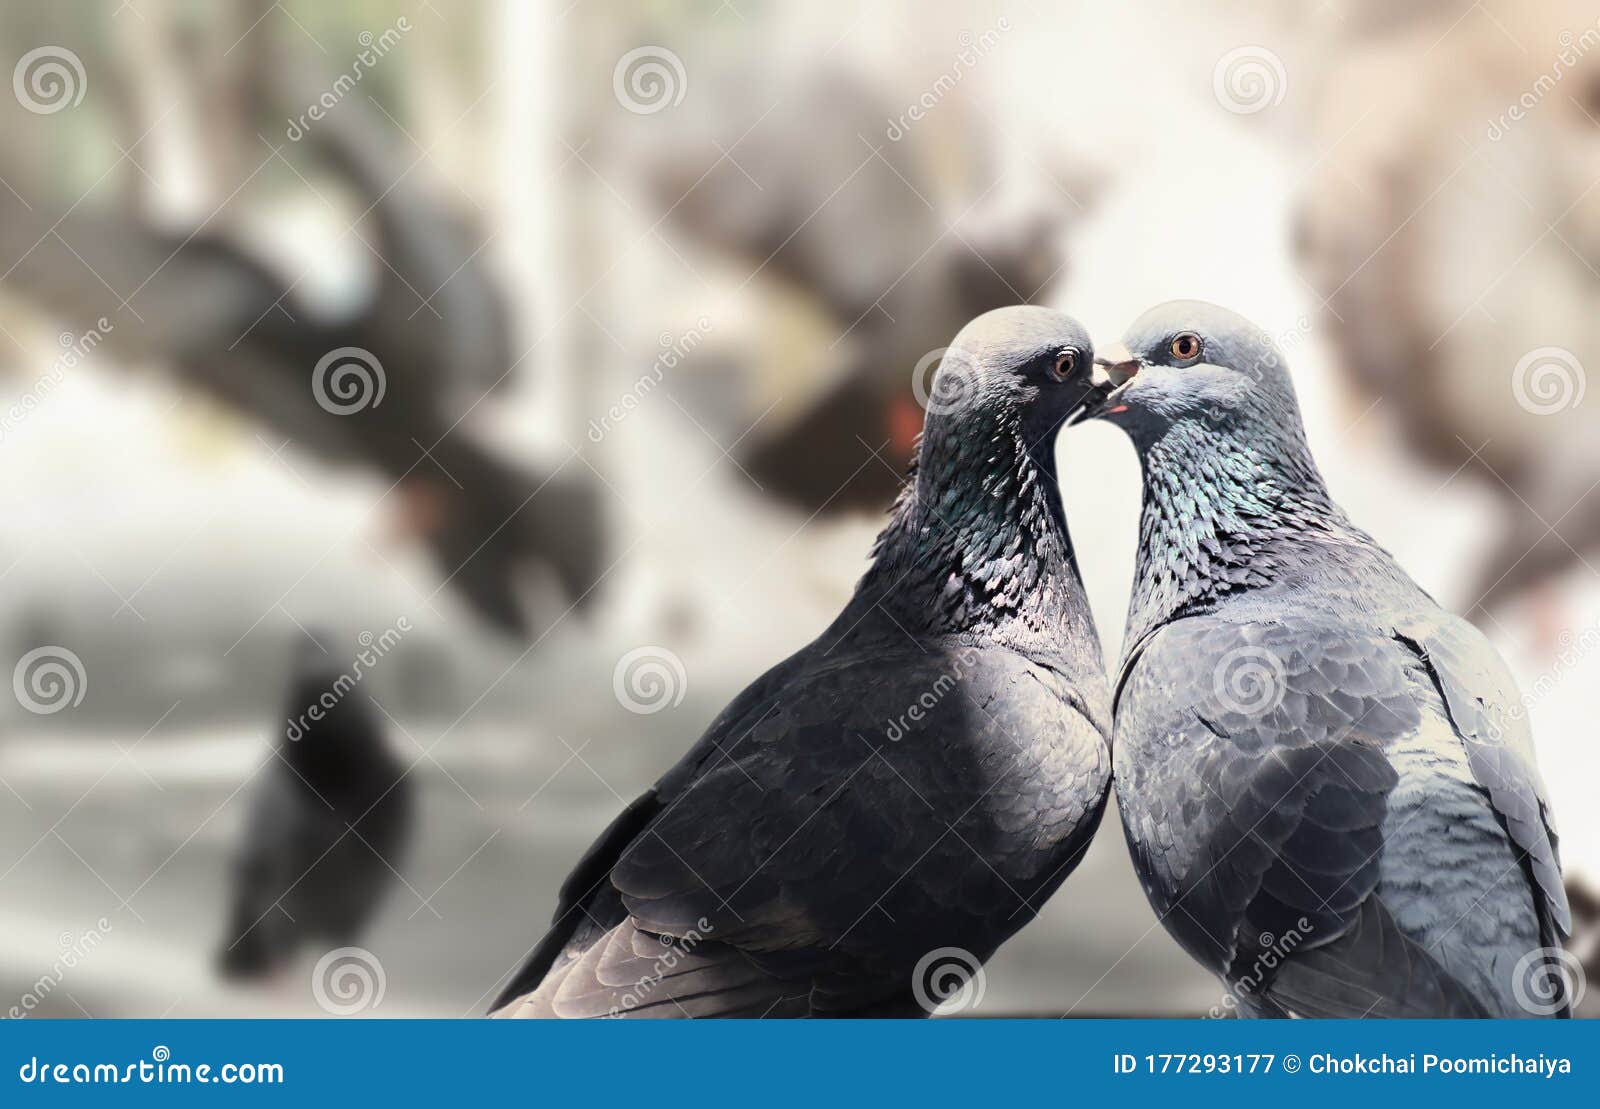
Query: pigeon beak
[
  {"x": 1113, "y": 368},
  {"x": 1119, "y": 366}
]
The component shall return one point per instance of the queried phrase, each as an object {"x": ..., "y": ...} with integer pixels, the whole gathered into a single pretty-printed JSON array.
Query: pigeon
[
  {"x": 868, "y": 821},
  {"x": 328, "y": 825},
  {"x": 1584, "y": 945},
  {"x": 859, "y": 227},
  {"x": 1327, "y": 786},
  {"x": 1475, "y": 344},
  {"x": 386, "y": 387}
]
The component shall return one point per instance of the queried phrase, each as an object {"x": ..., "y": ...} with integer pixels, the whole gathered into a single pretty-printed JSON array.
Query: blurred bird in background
[
  {"x": 1454, "y": 231},
  {"x": 887, "y": 228},
  {"x": 330, "y": 819},
  {"x": 1585, "y": 944},
  {"x": 386, "y": 384}
]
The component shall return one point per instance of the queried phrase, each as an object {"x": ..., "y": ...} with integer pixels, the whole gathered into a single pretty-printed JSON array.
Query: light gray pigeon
[
  {"x": 874, "y": 816},
  {"x": 1326, "y": 792}
]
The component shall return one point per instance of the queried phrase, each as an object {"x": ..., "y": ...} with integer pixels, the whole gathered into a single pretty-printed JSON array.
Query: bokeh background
[{"x": 577, "y": 347}]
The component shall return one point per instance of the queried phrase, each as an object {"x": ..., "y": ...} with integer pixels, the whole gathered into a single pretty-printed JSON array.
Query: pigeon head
[
  {"x": 978, "y": 536},
  {"x": 1189, "y": 362},
  {"x": 1232, "y": 496},
  {"x": 1022, "y": 367}
]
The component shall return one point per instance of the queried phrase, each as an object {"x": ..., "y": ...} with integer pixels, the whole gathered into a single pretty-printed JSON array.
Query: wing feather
[
  {"x": 815, "y": 843},
  {"x": 1477, "y": 690},
  {"x": 1257, "y": 812}
]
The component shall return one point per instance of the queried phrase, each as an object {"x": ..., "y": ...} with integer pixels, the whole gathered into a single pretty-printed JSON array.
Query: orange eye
[
  {"x": 1066, "y": 362},
  {"x": 1185, "y": 346}
]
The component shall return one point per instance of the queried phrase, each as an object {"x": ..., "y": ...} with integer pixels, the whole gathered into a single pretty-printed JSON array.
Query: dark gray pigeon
[
  {"x": 911, "y": 786},
  {"x": 328, "y": 825},
  {"x": 1327, "y": 797}
]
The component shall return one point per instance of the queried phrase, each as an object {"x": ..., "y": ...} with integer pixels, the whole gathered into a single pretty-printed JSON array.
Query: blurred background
[{"x": 536, "y": 373}]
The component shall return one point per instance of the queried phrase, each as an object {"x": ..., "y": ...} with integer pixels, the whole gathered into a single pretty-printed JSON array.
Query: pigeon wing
[
  {"x": 836, "y": 840},
  {"x": 1477, "y": 689},
  {"x": 820, "y": 836},
  {"x": 1254, "y": 786}
]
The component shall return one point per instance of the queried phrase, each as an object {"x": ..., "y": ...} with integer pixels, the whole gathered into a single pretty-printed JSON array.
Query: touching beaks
[
  {"x": 1113, "y": 368},
  {"x": 1116, "y": 364}
]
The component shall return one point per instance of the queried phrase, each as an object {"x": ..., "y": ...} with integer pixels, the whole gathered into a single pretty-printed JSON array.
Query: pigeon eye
[
  {"x": 1065, "y": 363},
  {"x": 1185, "y": 346}
]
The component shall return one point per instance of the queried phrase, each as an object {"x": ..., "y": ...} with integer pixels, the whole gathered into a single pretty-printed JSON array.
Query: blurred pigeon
[
  {"x": 856, "y": 220},
  {"x": 1328, "y": 793},
  {"x": 1452, "y": 224},
  {"x": 900, "y": 796},
  {"x": 1585, "y": 944},
  {"x": 328, "y": 825},
  {"x": 386, "y": 386}
]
